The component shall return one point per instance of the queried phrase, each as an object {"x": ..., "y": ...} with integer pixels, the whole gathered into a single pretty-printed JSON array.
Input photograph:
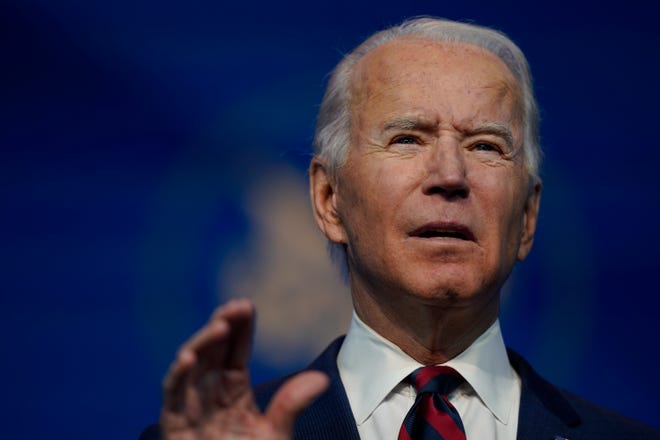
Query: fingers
[
  {"x": 209, "y": 380},
  {"x": 183, "y": 367},
  {"x": 294, "y": 396},
  {"x": 239, "y": 314},
  {"x": 222, "y": 344}
]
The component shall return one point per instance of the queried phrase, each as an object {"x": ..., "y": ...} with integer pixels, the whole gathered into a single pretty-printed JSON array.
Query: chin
[{"x": 456, "y": 290}]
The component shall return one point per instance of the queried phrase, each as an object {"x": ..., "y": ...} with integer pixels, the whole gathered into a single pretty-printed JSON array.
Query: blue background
[{"x": 131, "y": 130}]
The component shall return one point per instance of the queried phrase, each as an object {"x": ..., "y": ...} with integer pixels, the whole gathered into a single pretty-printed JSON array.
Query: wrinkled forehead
[{"x": 400, "y": 62}]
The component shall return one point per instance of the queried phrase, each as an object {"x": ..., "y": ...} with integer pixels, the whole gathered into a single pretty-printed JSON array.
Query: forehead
[{"x": 417, "y": 72}]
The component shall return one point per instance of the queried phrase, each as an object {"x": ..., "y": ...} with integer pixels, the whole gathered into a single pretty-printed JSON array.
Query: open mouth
[{"x": 443, "y": 230}]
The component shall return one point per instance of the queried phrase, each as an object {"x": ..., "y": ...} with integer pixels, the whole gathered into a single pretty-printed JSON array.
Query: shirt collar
[{"x": 371, "y": 366}]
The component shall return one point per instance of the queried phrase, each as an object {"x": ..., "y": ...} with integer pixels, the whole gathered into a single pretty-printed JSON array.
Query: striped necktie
[{"x": 432, "y": 417}]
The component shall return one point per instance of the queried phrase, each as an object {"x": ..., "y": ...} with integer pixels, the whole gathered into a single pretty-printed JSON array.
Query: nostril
[{"x": 448, "y": 191}]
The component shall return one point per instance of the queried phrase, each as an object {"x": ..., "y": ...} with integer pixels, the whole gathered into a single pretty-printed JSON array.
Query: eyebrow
[
  {"x": 410, "y": 123},
  {"x": 425, "y": 125},
  {"x": 493, "y": 128}
]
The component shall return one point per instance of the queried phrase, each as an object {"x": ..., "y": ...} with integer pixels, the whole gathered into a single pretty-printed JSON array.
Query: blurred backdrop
[{"x": 152, "y": 165}]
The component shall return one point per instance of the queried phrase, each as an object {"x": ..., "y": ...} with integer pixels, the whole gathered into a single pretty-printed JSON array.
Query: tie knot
[{"x": 435, "y": 379}]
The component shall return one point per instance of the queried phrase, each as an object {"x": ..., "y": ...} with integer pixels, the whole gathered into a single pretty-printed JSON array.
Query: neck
[{"x": 429, "y": 332}]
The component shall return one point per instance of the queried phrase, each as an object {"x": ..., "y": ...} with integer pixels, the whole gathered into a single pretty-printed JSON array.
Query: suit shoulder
[
  {"x": 547, "y": 410},
  {"x": 605, "y": 423}
]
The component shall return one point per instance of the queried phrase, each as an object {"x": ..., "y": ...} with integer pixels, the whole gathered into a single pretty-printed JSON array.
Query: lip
[{"x": 443, "y": 230}]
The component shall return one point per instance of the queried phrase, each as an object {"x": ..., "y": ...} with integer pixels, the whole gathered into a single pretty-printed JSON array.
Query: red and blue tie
[{"x": 432, "y": 417}]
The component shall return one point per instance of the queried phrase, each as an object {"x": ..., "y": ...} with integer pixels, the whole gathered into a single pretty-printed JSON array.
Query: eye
[
  {"x": 406, "y": 140},
  {"x": 486, "y": 146}
]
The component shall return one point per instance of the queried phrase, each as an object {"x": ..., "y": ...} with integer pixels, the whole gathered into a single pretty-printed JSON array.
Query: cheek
[
  {"x": 512, "y": 223},
  {"x": 383, "y": 185},
  {"x": 503, "y": 208},
  {"x": 358, "y": 199}
]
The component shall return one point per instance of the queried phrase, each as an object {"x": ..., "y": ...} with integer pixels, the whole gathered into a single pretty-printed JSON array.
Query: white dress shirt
[{"x": 372, "y": 370}]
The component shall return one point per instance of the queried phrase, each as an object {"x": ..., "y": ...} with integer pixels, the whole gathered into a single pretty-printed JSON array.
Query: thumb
[{"x": 294, "y": 396}]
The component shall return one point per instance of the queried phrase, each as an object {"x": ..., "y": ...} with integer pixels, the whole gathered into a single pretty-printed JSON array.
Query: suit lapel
[
  {"x": 330, "y": 416},
  {"x": 545, "y": 413}
]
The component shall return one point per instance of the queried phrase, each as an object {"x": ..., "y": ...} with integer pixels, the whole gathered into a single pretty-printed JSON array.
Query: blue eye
[
  {"x": 483, "y": 146},
  {"x": 410, "y": 140}
]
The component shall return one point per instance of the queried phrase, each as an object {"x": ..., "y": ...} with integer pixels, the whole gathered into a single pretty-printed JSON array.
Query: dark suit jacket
[{"x": 546, "y": 412}]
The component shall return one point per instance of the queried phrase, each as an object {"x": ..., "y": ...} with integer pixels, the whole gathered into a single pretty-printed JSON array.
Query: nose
[{"x": 446, "y": 173}]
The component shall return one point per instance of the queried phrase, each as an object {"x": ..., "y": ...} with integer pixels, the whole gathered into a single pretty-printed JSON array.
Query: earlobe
[
  {"x": 530, "y": 217},
  {"x": 323, "y": 194}
]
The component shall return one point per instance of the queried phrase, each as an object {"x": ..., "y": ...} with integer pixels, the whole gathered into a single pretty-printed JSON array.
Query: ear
[
  {"x": 530, "y": 217},
  {"x": 323, "y": 192}
]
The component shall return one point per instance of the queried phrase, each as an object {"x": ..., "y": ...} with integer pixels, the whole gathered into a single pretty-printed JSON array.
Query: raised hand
[{"x": 207, "y": 394}]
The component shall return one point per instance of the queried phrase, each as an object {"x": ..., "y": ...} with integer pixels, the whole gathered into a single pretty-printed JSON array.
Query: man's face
[{"x": 434, "y": 201}]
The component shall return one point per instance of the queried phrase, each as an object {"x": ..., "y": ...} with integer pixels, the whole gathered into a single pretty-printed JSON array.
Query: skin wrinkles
[
  {"x": 418, "y": 123},
  {"x": 434, "y": 140},
  {"x": 417, "y": 131},
  {"x": 427, "y": 126},
  {"x": 406, "y": 136}
]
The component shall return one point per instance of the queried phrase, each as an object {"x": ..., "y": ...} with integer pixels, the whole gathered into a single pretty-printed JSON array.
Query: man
[{"x": 425, "y": 178}]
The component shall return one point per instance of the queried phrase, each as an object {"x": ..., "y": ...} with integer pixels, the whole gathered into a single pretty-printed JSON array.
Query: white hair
[{"x": 333, "y": 126}]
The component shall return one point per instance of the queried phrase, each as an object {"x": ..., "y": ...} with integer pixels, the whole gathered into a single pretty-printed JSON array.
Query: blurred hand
[{"x": 207, "y": 394}]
